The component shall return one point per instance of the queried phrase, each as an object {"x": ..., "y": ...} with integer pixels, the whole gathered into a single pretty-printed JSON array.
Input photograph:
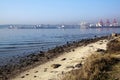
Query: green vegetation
[{"x": 99, "y": 66}]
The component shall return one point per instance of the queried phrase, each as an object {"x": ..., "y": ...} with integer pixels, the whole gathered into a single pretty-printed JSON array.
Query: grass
[
  {"x": 99, "y": 66},
  {"x": 115, "y": 73}
]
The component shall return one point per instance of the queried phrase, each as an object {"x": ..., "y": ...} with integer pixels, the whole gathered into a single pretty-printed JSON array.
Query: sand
[{"x": 70, "y": 59}]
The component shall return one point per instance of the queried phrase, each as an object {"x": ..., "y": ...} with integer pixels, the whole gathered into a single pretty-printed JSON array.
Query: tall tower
[
  {"x": 107, "y": 23},
  {"x": 101, "y": 23},
  {"x": 115, "y": 23}
]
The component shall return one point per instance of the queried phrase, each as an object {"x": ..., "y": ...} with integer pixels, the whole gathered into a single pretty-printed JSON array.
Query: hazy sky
[{"x": 57, "y": 11}]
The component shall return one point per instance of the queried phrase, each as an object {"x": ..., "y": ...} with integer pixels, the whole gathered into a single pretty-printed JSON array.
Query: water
[{"x": 21, "y": 42}]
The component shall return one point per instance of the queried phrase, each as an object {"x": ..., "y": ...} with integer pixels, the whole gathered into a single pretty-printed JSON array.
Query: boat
[{"x": 104, "y": 27}]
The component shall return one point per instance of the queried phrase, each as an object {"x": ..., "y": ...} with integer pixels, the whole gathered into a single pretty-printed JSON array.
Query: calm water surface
[{"x": 21, "y": 42}]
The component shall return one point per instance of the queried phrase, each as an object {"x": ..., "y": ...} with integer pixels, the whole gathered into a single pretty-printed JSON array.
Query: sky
[{"x": 57, "y": 11}]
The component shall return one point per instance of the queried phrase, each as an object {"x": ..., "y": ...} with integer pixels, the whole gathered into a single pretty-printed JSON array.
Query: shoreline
[
  {"x": 54, "y": 69},
  {"x": 35, "y": 60}
]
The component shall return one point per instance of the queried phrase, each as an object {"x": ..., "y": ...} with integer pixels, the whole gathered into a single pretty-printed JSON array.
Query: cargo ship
[{"x": 107, "y": 24}]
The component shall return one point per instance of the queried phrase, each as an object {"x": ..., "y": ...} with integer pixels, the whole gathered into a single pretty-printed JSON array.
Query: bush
[{"x": 113, "y": 46}]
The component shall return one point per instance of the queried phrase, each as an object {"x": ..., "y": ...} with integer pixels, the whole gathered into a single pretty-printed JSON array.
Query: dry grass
[
  {"x": 113, "y": 46},
  {"x": 95, "y": 68},
  {"x": 99, "y": 66},
  {"x": 115, "y": 72}
]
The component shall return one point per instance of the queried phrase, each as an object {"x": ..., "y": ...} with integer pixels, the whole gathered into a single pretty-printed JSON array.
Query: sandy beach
[{"x": 66, "y": 61}]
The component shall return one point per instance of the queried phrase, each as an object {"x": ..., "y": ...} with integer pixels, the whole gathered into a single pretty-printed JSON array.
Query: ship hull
[{"x": 105, "y": 27}]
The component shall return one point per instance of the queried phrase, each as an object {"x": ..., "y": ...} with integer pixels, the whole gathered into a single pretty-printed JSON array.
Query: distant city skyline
[{"x": 57, "y": 11}]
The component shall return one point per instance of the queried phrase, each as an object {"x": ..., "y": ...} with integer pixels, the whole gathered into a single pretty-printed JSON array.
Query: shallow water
[{"x": 21, "y": 42}]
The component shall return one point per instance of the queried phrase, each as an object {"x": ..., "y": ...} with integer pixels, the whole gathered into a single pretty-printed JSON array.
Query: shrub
[{"x": 113, "y": 46}]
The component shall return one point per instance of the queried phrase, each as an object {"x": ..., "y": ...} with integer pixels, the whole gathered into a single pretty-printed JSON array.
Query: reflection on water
[{"x": 21, "y": 42}]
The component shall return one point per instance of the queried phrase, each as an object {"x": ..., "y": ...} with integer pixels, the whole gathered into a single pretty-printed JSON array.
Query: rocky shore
[{"x": 28, "y": 62}]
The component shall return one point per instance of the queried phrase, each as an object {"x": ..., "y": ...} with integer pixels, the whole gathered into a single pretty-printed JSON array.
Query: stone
[
  {"x": 63, "y": 59},
  {"x": 55, "y": 65},
  {"x": 100, "y": 50},
  {"x": 114, "y": 34},
  {"x": 78, "y": 65},
  {"x": 23, "y": 77}
]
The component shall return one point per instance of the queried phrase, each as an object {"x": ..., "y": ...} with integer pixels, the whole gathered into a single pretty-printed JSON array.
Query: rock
[
  {"x": 83, "y": 58},
  {"x": 100, "y": 50},
  {"x": 42, "y": 54},
  {"x": 35, "y": 76},
  {"x": 55, "y": 65},
  {"x": 114, "y": 34},
  {"x": 63, "y": 59},
  {"x": 78, "y": 65},
  {"x": 73, "y": 50},
  {"x": 27, "y": 74},
  {"x": 23, "y": 77},
  {"x": 95, "y": 36}
]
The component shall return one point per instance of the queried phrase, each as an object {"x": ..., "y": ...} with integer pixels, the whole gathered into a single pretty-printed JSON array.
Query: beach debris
[
  {"x": 63, "y": 59},
  {"x": 78, "y": 65},
  {"x": 55, "y": 65}
]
